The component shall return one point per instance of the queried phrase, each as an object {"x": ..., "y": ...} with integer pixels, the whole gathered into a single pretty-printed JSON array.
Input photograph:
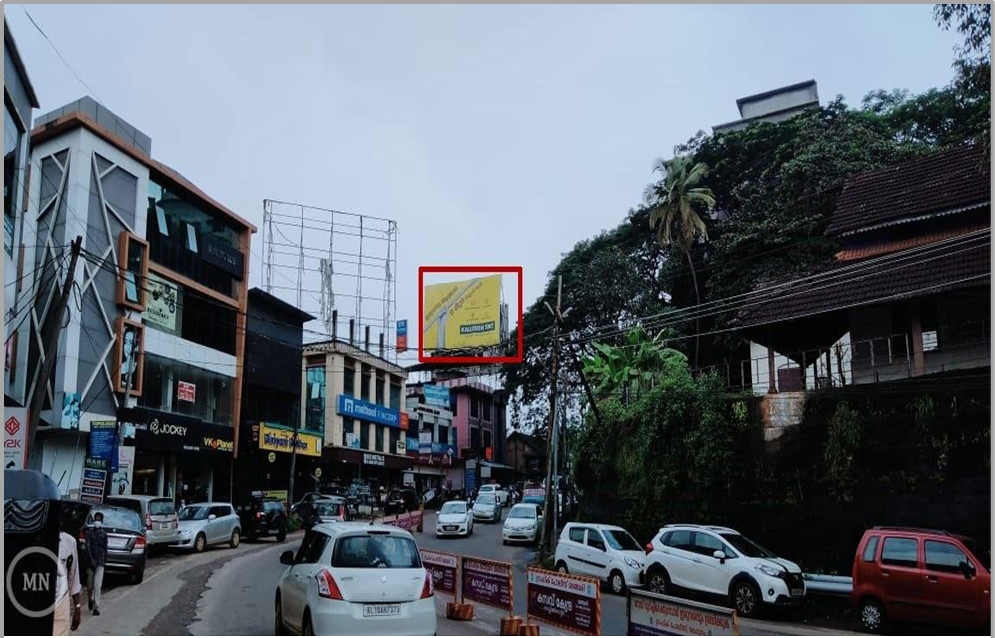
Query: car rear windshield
[
  {"x": 120, "y": 519},
  {"x": 162, "y": 507},
  {"x": 383, "y": 551},
  {"x": 328, "y": 508},
  {"x": 746, "y": 547},
  {"x": 621, "y": 540},
  {"x": 486, "y": 499},
  {"x": 272, "y": 506},
  {"x": 127, "y": 503},
  {"x": 520, "y": 511},
  {"x": 453, "y": 508}
]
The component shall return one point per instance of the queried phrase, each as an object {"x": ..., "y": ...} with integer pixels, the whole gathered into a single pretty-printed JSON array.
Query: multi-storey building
[{"x": 154, "y": 336}]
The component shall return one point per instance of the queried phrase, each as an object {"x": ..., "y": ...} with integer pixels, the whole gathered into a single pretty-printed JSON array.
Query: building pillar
[
  {"x": 771, "y": 377},
  {"x": 918, "y": 358}
]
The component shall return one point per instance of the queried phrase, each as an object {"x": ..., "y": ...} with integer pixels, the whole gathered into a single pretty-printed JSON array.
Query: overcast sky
[{"x": 493, "y": 135}]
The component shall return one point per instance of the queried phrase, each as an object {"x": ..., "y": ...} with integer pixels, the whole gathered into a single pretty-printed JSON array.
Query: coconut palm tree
[{"x": 675, "y": 201}]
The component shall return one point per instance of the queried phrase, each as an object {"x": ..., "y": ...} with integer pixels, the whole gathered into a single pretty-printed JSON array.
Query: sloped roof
[{"x": 944, "y": 182}]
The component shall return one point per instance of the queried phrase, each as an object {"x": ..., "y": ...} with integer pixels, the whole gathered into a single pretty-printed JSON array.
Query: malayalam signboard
[
  {"x": 462, "y": 314},
  {"x": 564, "y": 600},
  {"x": 658, "y": 615},
  {"x": 487, "y": 582},
  {"x": 444, "y": 568},
  {"x": 437, "y": 395},
  {"x": 186, "y": 392},
  {"x": 277, "y": 438}
]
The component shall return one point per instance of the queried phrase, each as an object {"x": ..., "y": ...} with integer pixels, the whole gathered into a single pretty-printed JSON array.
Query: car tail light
[
  {"x": 649, "y": 547},
  {"x": 327, "y": 587},
  {"x": 342, "y": 511},
  {"x": 428, "y": 590},
  {"x": 148, "y": 521},
  {"x": 140, "y": 542},
  {"x": 259, "y": 515}
]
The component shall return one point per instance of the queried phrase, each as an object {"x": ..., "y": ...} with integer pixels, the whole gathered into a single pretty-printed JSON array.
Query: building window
[
  {"x": 379, "y": 389},
  {"x": 315, "y": 400},
  {"x": 454, "y": 403},
  {"x": 11, "y": 177},
  {"x": 487, "y": 439},
  {"x": 364, "y": 383},
  {"x": 194, "y": 241},
  {"x": 474, "y": 407},
  {"x": 349, "y": 381},
  {"x": 364, "y": 435},
  {"x": 133, "y": 264},
  {"x": 380, "y": 430},
  {"x": 444, "y": 434},
  {"x": 395, "y": 436},
  {"x": 487, "y": 409},
  {"x": 395, "y": 395},
  {"x": 348, "y": 432},
  {"x": 474, "y": 438},
  {"x": 175, "y": 386},
  {"x": 130, "y": 357}
]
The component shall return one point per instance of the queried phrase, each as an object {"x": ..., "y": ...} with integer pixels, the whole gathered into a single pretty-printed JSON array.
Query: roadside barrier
[
  {"x": 488, "y": 582},
  {"x": 650, "y": 614},
  {"x": 411, "y": 521},
  {"x": 565, "y": 601},
  {"x": 444, "y": 568}
]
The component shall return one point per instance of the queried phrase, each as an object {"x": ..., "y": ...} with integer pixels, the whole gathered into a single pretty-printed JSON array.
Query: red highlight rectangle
[{"x": 516, "y": 270}]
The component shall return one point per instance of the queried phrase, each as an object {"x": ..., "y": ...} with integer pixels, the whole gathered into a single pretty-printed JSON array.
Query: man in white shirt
[{"x": 68, "y": 589}]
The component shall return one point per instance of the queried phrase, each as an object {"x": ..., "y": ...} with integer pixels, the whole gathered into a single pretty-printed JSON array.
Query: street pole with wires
[
  {"x": 51, "y": 341},
  {"x": 547, "y": 523}
]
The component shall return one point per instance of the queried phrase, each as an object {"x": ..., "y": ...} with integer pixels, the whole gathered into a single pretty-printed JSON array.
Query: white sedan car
[
  {"x": 355, "y": 579},
  {"x": 493, "y": 488},
  {"x": 524, "y": 523},
  {"x": 455, "y": 519}
]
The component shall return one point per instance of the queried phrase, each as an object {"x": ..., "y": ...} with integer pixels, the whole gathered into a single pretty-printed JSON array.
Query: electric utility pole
[{"x": 553, "y": 405}]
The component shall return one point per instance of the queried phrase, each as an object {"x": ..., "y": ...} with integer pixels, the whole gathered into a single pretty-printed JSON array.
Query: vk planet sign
[{"x": 366, "y": 411}]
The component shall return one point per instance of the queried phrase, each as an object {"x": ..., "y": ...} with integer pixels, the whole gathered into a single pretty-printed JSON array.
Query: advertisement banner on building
[
  {"x": 366, "y": 411},
  {"x": 462, "y": 314},
  {"x": 278, "y": 438},
  {"x": 186, "y": 391},
  {"x": 425, "y": 442},
  {"x": 162, "y": 302},
  {"x": 70, "y": 411},
  {"x": 167, "y": 432},
  {"x": 352, "y": 440},
  {"x": 565, "y": 601},
  {"x": 121, "y": 479},
  {"x": 103, "y": 442},
  {"x": 15, "y": 440},
  {"x": 437, "y": 395},
  {"x": 402, "y": 336},
  {"x": 92, "y": 487}
]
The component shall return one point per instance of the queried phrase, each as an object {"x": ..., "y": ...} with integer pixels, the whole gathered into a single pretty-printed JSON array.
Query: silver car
[
  {"x": 487, "y": 508},
  {"x": 157, "y": 514},
  {"x": 203, "y": 524},
  {"x": 331, "y": 509}
]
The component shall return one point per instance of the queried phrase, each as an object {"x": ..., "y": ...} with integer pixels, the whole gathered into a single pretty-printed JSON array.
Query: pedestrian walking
[{"x": 96, "y": 549}]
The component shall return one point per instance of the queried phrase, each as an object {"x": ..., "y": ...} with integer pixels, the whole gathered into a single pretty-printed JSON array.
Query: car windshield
[
  {"x": 486, "y": 488},
  {"x": 194, "y": 513},
  {"x": 621, "y": 540},
  {"x": 376, "y": 550},
  {"x": 746, "y": 547},
  {"x": 162, "y": 507},
  {"x": 486, "y": 499},
  {"x": 327, "y": 508},
  {"x": 120, "y": 519},
  {"x": 453, "y": 508},
  {"x": 522, "y": 511},
  {"x": 981, "y": 553}
]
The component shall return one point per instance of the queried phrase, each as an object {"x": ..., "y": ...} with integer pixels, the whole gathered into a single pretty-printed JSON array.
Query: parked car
[
  {"x": 496, "y": 490},
  {"x": 354, "y": 580},
  {"x": 203, "y": 524},
  {"x": 486, "y": 507},
  {"x": 454, "y": 519},
  {"x": 262, "y": 517},
  {"x": 126, "y": 540},
  {"x": 332, "y": 509},
  {"x": 524, "y": 523},
  {"x": 400, "y": 502},
  {"x": 308, "y": 498},
  {"x": 721, "y": 562},
  {"x": 162, "y": 526},
  {"x": 908, "y": 574},
  {"x": 607, "y": 552}
]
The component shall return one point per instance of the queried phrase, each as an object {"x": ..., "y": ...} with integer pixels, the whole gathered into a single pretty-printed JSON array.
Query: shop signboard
[
  {"x": 121, "y": 479},
  {"x": 186, "y": 391},
  {"x": 402, "y": 336},
  {"x": 221, "y": 254},
  {"x": 437, "y": 395},
  {"x": 166, "y": 432},
  {"x": 444, "y": 568},
  {"x": 365, "y": 411},
  {"x": 94, "y": 481},
  {"x": 279, "y": 438},
  {"x": 565, "y": 601},
  {"x": 161, "y": 303},
  {"x": 487, "y": 582},
  {"x": 15, "y": 441},
  {"x": 103, "y": 442},
  {"x": 461, "y": 314},
  {"x": 369, "y": 458},
  {"x": 658, "y": 615}
]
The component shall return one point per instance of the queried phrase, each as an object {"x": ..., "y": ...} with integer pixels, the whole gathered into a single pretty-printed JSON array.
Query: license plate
[
  {"x": 165, "y": 525},
  {"x": 274, "y": 530},
  {"x": 117, "y": 543},
  {"x": 381, "y": 611},
  {"x": 797, "y": 592},
  {"x": 449, "y": 528}
]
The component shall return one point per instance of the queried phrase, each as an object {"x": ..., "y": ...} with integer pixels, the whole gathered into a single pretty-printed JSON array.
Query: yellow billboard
[
  {"x": 280, "y": 439},
  {"x": 462, "y": 314}
]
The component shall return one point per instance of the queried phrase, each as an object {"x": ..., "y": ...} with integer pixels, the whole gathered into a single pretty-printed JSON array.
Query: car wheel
[
  {"x": 616, "y": 582},
  {"x": 200, "y": 543},
  {"x": 871, "y": 615},
  {"x": 657, "y": 581},
  {"x": 307, "y": 629},
  {"x": 139, "y": 575},
  {"x": 281, "y": 536},
  {"x": 236, "y": 538},
  {"x": 279, "y": 629},
  {"x": 746, "y": 599},
  {"x": 504, "y": 541},
  {"x": 562, "y": 567}
]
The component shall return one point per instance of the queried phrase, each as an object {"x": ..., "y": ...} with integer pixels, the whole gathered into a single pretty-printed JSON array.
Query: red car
[{"x": 921, "y": 575}]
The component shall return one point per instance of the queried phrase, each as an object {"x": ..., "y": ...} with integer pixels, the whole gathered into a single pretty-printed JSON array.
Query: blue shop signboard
[
  {"x": 437, "y": 395},
  {"x": 366, "y": 411}
]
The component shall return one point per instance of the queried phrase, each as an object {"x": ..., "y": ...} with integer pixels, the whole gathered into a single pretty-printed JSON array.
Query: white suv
[
  {"x": 721, "y": 562},
  {"x": 603, "y": 551}
]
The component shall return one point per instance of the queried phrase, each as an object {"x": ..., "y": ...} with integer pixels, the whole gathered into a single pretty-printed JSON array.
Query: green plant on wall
[{"x": 842, "y": 448}]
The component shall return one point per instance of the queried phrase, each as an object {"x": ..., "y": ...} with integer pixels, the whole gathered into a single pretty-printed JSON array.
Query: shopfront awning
[{"x": 497, "y": 466}]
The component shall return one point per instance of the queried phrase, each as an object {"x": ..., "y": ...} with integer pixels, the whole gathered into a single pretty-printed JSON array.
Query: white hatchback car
[
  {"x": 355, "y": 579},
  {"x": 495, "y": 489},
  {"x": 607, "y": 552},
  {"x": 524, "y": 523},
  {"x": 455, "y": 519},
  {"x": 719, "y": 561}
]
